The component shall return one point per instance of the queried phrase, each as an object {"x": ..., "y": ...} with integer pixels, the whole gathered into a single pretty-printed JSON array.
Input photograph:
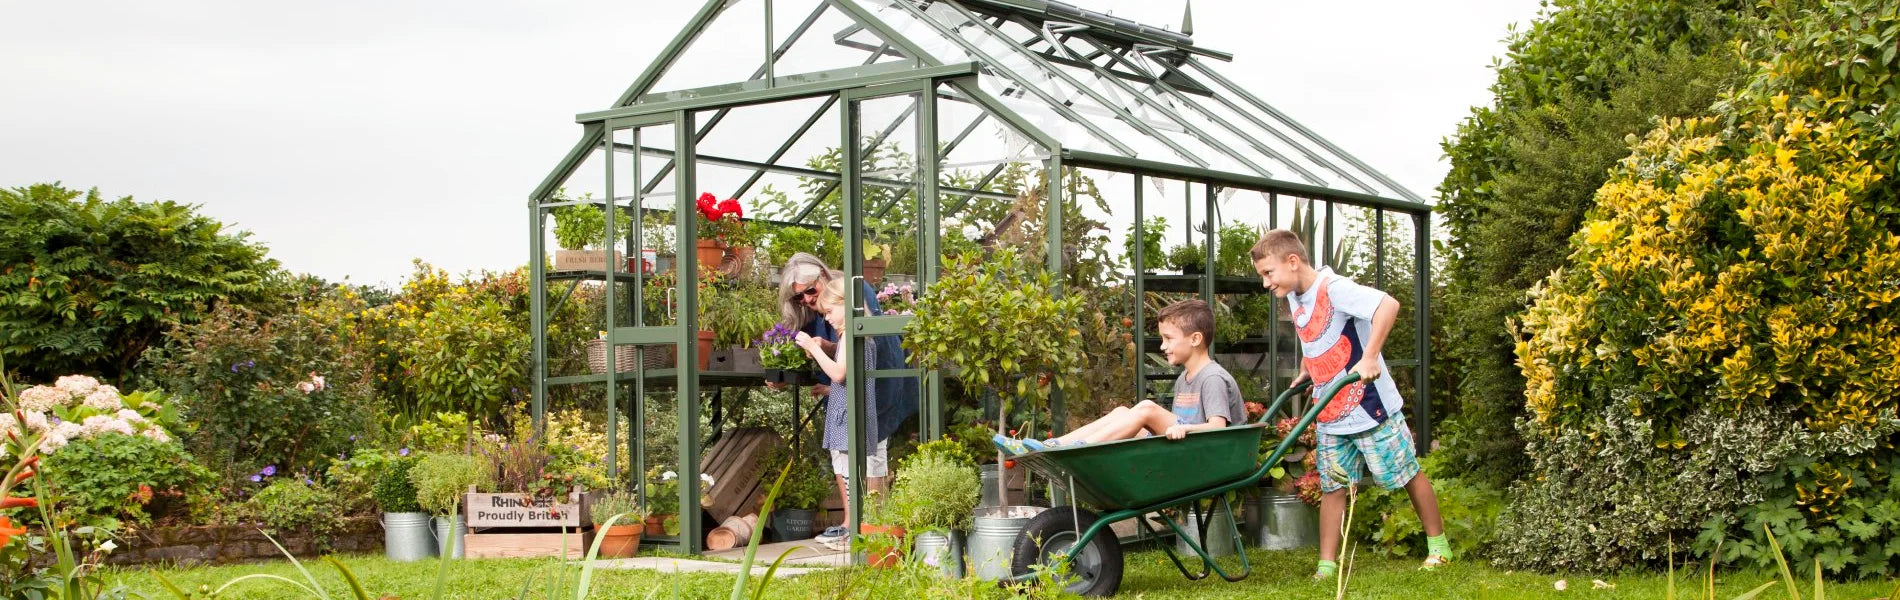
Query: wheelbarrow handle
[
  {"x": 1325, "y": 397},
  {"x": 1266, "y": 417}
]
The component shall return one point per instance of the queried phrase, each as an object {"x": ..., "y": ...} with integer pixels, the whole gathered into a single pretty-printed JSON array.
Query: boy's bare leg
[
  {"x": 1146, "y": 416},
  {"x": 844, "y": 492},
  {"x": 1332, "y": 510},
  {"x": 1083, "y": 432},
  {"x": 1425, "y": 501},
  {"x": 874, "y": 484}
]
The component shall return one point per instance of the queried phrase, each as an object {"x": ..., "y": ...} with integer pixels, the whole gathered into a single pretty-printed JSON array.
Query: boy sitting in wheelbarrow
[
  {"x": 1205, "y": 395},
  {"x": 1342, "y": 327}
]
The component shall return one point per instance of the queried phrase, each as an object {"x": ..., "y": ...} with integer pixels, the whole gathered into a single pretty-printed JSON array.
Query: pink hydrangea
[
  {"x": 104, "y": 398},
  {"x": 130, "y": 416},
  {"x": 42, "y": 398}
]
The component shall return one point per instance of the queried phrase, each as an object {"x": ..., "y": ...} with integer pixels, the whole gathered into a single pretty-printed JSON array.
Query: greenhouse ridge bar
[{"x": 919, "y": 125}]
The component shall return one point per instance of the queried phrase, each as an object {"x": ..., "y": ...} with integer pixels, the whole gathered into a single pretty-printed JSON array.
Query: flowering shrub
[
  {"x": 777, "y": 350},
  {"x": 897, "y": 299},
  {"x": 79, "y": 407},
  {"x": 1299, "y": 457}
]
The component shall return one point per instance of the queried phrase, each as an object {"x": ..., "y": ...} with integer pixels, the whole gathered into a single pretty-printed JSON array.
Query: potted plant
[
  {"x": 1152, "y": 231},
  {"x": 723, "y": 229},
  {"x": 783, "y": 360},
  {"x": 805, "y": 490},
  {"x": 406, "y": 533},
  {"x": 1190, "y": 259},
  {"x": 998, "y": 322},
  {"x": 935, "y": 493},
  {"x": 740, "y": 312},
  {"x": 658, "y": 233},
  {"x": 622, "y": 540},
  {"x": 580, "y": 229},
  {"x": 874, "y": 261},
  {"x": 663, "y": 500},
  {"x": 882, "y": 536},
  {"x": 897, "y": 299},
  {"x": 1283, "y": 514},
  {"x": 441, "y": 481},
  {"x": 1233, "y": 250}
]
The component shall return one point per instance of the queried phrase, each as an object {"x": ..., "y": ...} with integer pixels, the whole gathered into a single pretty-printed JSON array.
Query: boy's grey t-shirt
[{"x": 1210, "y": 393}]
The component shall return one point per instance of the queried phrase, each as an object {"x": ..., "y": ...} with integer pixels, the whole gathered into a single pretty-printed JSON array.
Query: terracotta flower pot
[
  {"x": 706, "y": 338},
  {"x": 656, "y": 525},
  {"x": 874, "y": 271},
  {"x": 740, "y": 260},
  {"x": 888, "y": 558},
  {"x": 621, "y": 541},
  {"x": 711, "y": 253}
]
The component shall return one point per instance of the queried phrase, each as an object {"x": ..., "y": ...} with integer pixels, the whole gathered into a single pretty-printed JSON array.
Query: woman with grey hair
[{"x": 895, "y": 399}]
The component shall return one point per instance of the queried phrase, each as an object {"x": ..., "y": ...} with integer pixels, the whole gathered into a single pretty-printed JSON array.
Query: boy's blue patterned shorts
[{"x": 1385, "y": 450}]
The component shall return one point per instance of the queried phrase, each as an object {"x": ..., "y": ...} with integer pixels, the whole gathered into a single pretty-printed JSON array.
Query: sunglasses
[{"x": 810, "y": 292}]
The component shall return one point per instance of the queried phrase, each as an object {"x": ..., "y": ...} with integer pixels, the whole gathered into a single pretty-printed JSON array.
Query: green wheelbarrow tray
[{"x": 1129, "y": 478}]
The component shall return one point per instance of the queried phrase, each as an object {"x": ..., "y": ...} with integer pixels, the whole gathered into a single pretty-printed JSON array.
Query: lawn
[{"x": 1149, "y": 576}]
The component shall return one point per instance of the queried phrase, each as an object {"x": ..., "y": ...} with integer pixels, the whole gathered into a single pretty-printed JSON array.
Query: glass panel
[
  {"x": 834, "y": 41},
  {"x": 888, "y": 208},
  {"x": 659, "y": 241},
  {"x": 993, "y": 158},
  {"x": 730, "y": 49},
  {"x": 1098, "y": 210},
  {"x": 754, "y": 132}
]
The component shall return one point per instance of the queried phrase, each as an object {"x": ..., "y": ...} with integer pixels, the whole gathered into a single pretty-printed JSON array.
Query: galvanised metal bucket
[
  {"x": 443, "y": 535},
  {"x": 941, "y": 550},
  {"x": 1220, "y": 532},
  {"x": 993, "y": 539},
  {"x": 1277, "y": 520},
  {"x": 407, "y": 536}
]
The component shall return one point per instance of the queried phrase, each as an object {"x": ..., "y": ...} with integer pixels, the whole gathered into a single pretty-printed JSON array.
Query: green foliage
[
  {"x": 1153, "y": 231},
  {"x": 1736, "y": 273},
  {"x": 739, "y": 312},
  {"x": 394, "y": 491},
  {"x": 250, "y": 384},
  {"x": 90, "y": 283},
  {"x": 935, "y": 492},
  {"x": 469, "y": 356},
  {"x": 823, "y": 243},
  {"x": 999, "y": 322},
  {"x": 1233, "y": 249},
  {"x": 585, "y": 225},
  {"x": 1188, "y": 258},
  {"x": 1843, "y": 520},
  {"x": 1525, "y": 169},
  {"x": 288, "y": 505},
  {"x": 441, "y": 479},
  {"x": 353, "y": 480},
  {"x": 1469, "y": 511},
  {"x": 808, "y": 484},
  {"x": 132, "y": 478},
  {"x": 606, "y": 505}
]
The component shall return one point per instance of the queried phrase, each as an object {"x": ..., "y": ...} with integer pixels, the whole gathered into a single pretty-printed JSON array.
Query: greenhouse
[{"x": 889, "y": 137}]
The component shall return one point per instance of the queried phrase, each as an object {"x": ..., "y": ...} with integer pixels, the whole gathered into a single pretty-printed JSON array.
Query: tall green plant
[
  {"x": 585, "y": 225},
  {"x": 1001, "y": 325},
  {"x": 90, "y": 283}
]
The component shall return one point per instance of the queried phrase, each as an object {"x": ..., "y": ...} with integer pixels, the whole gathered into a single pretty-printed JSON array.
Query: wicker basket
[{"x": 626, "y": 359}]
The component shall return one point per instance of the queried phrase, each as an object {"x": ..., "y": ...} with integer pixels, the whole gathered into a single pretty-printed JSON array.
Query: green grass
[{"x": 1149, "y": 576}]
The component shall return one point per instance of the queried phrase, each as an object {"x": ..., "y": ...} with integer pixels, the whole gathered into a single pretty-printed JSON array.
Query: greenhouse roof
[{"x": 1098, "y": 89}]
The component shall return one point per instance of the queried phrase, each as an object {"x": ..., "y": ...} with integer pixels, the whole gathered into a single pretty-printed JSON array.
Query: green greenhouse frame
[{"x": 1063, "y": 89}]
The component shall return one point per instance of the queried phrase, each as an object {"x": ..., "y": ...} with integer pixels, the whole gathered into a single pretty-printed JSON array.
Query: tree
[{"x": 89, "y": 283}]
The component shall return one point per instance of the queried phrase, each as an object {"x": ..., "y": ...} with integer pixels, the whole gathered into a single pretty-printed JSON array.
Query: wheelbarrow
[{"x": 1130, "y": 478}]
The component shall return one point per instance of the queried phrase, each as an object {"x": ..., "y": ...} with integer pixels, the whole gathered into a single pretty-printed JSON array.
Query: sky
[{"x": 351, "y": 137}]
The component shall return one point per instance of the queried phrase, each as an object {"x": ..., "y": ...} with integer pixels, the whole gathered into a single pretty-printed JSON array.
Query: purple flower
[
  {"x": 257, "y": 479},
  {"x": 403, "y": 452},
  {"x": 269, "y": 471},
  {"x": 352, "y": 438},
  {"x": 307, "y": 481}
]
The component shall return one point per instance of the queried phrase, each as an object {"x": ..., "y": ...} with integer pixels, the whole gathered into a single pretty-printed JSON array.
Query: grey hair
[{"x": 801, "y": 268}]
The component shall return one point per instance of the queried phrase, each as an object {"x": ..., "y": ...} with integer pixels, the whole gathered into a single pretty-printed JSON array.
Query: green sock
[
  {"x": 1327, "y": 569},
  {"x": 1437, "y": 546}
]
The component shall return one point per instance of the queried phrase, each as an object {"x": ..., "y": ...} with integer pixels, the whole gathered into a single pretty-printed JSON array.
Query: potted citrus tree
[
  {"x": 998, "y": 321},
  {"x": 579, "y": 230}
]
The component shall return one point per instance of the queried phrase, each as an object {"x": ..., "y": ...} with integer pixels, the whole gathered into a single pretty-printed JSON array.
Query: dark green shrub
[
  {"x": 125, "y": 477},
  {"x": 394, "y": 491},
  {"x": 89, "y": 283},
  {"x": 291, "y": 505}
]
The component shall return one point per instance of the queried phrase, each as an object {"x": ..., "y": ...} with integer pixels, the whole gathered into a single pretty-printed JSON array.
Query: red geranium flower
[
  {"x": 708, "y": 206},
  {"x": 730, "y": 206}
]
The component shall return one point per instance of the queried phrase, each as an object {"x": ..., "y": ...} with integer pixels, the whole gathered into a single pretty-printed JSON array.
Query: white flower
[
  {"x": 42, "y": 398},
  {"x": 97, "y": 424},
  {"x": 318, "y": 380},
  {"x": 157, "y": 433},
  {"x": 78, "y": 386},
  {"x": 36, "y": 421},
  {"x": 8, "y": 424},
  {"x": 706, "y": 478},
  {"x": 108, "y": 546},
  {"x": 306, "y": 387},
  {"x": 131, "y": 416},
  {"x": 52, "y": 442},
  {"x": 668, "y": 476},
  {"x": 69, "y": 430},
  {"x": 106, "y": 398}
]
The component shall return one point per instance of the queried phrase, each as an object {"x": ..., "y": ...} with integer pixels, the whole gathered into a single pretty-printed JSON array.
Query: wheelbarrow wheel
[{"x": 1096, "y": 569}]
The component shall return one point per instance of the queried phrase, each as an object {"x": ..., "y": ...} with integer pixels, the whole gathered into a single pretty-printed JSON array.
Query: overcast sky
[{"x": 351, "y": 136}]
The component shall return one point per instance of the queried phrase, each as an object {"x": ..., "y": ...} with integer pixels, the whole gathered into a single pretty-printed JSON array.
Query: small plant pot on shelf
[
  {"x": 656, "y": 525},
  {"x": 874, "y": 271},
  {"x": 706, "y": 338},
  {"x": 620, "y": 541},
  {"x": 796, "y": 377},
  {"x": 793, "y": 524}
]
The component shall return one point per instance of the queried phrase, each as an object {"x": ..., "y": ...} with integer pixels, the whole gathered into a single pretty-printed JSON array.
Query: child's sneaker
[
  {"x": 831, "y": 535},
  {"x": 1433, "y": 562},
  {"x": 1010, "y": 445}
]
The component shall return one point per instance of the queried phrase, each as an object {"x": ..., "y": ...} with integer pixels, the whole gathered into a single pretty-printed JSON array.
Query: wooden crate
[
  {"x": 493, "y": 544},
  {"x": 521, "y": 510},
  {"x": 738, "y": 486}
]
